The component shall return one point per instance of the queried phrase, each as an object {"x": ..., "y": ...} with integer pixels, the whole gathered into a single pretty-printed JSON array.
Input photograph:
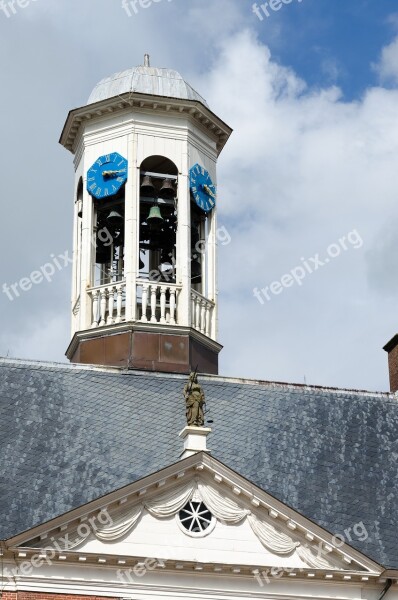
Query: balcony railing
[
  {"x": 157, "y": 302},
  {"x": 108, "y": 304},
  {"x": 202, "y": 313}
]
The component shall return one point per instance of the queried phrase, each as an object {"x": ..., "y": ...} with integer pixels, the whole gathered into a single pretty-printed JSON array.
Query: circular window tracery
[{"x": 195, "y": 519}]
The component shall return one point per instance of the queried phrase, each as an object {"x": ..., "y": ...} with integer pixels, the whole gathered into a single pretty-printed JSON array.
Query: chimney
[{"x": 392, "y": 348}]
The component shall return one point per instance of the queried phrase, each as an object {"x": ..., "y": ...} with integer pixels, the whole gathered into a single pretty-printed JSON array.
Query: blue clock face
[
  {"x": 202, "y": 188},
  {"x": 107, "y": 175}
]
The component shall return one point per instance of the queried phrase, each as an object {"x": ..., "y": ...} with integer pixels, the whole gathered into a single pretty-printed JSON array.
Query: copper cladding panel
[
  {"x": 206, "y": 359},
  {"x": 148, "y": 351},
  {"x": 174, "y": 349},
  {"x": 110, "y": 351}
]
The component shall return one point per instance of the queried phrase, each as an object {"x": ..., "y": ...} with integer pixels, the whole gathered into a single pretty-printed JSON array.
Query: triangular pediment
[{"x": 200, "y": 512}]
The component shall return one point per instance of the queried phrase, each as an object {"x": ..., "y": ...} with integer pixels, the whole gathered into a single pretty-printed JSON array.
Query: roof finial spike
[{"x": 147, "y": 60}]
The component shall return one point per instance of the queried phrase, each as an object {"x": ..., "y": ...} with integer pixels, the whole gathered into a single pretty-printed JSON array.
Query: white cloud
[
  {"x": 387, "y": 67},
  {"x": 302, "y": 169}
]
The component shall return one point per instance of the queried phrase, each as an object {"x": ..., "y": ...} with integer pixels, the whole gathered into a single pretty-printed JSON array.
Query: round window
[{"x": 195, "y": 519}]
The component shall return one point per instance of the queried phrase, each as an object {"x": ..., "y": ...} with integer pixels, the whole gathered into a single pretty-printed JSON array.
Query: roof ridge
[{"x": 20, "y": 362}]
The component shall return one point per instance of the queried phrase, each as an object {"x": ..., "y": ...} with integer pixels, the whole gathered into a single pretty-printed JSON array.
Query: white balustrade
[
  {"x": 158, "y": 302},
  {"x": 202, "y": 313},
  {"x": 108, "y": 304}
]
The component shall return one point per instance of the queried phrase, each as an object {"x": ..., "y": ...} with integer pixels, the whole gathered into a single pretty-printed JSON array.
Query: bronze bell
[
  {"x": 155, "y": 216},
  {"x": 115, "y": 218},
  {"x": 141, "y": 264},
  {"x": 167, "y": 190},
  {"x": 147, "y": 186}
]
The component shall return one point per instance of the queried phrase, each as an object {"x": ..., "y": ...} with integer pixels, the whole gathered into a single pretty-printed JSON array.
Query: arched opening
[
  {"x": 109, "y": 239},
  {"x": 158, "y": 219},
  {"x": 199, "y": 235},
  {"x": 79, "y": 198}
]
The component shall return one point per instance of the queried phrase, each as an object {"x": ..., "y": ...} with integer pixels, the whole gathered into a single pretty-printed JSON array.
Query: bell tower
[{"x": 144, "y": 289}]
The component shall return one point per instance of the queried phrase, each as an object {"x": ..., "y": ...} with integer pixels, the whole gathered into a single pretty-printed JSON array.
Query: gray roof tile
[{"x": 71, "y": 434}]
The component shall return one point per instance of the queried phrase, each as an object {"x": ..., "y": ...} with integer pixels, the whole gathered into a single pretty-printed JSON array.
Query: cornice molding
[
  {"x": 201, "y": 116},
  {"x": 207, "y": 468}
]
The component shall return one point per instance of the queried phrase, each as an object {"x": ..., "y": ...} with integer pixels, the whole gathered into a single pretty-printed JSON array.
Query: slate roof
[{"x": 69, "y": 434}]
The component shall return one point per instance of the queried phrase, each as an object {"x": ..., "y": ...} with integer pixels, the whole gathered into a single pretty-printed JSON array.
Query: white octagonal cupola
[{"x": 144, "y": 291}]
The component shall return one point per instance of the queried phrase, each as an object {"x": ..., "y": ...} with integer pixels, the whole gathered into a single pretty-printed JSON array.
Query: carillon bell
[
  {"x": 167, "y": 190},
  {"x": 155, "y": 216},
  {"x": 147, "y": 186},
  {"x": 115, "y": 218}
]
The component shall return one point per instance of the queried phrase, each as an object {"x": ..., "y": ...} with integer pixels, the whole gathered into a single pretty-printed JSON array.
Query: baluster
[
  {"x": 208, "y": 319},
  {"x": 153, "y": 303},
  {"x": 193, "y": 311},
  {"x": 95, "y": 308},
  {"x": 203, "y": 316},
  {"x": 119, "y": 303},
  {"x": 163, "y": 305},
  {"x": 103, "y": 306},
  {"x": 172, "y": 306},
  {"x": 197, "y": 313},
  {"x": 144, "y": 318},
  {"x": 111, "y": 304}
]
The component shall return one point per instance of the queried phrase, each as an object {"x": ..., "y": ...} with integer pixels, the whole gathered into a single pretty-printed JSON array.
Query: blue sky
[
  {"x": 312, "y": 96},
  {"x": 331, "y": 41}
]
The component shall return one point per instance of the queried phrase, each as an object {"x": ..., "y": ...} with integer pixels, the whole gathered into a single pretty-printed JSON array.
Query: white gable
[{"x": 248, "y": 527}]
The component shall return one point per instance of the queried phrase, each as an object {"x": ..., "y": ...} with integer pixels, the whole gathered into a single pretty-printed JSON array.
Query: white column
[
  {"x": 212, "y": 270},
  {"x": 131, "y": 230},
  {"x": 184, "y": 247},
  {"x": 87, "y": 253},
  {"x": 75, "y": 270}
]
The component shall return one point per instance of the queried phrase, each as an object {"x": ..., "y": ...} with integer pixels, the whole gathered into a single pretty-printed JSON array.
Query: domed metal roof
[{"x": 145, "y": 80}]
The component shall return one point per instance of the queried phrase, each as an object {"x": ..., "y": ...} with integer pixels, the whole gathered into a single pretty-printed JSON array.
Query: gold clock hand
[
  {"x": 110, "y": 173},
  {"x": 208, "y": 191}
]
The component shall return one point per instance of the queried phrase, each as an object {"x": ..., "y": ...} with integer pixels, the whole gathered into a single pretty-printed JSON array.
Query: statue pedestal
[{"x": 195, "y": 440}]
